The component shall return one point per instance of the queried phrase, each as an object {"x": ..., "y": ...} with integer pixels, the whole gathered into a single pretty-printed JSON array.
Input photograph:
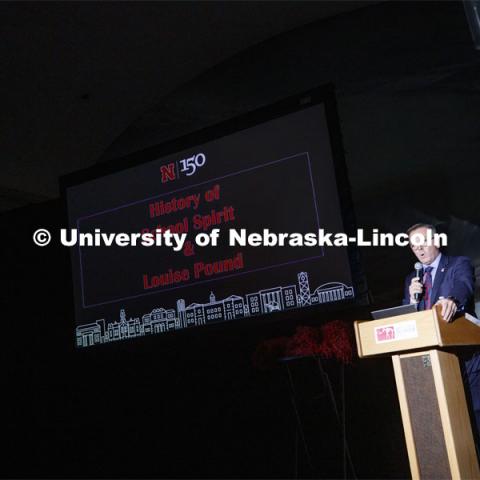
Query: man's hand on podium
[{"x": 449, "y": 308}]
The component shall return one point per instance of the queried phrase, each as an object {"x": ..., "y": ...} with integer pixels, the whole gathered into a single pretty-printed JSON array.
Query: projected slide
[{"x": 276, "y": 176}]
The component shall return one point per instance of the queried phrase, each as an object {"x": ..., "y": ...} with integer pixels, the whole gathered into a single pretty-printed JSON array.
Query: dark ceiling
[{"x": 76, "y": 75}]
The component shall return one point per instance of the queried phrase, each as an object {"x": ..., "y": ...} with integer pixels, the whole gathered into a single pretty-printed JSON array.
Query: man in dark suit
[{"x": 447, "y": 281}]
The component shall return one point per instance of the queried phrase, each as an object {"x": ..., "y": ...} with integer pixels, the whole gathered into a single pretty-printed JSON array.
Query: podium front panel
[
  {"x": 430, "y": 446},
  {"x": 435, "y": 416}
]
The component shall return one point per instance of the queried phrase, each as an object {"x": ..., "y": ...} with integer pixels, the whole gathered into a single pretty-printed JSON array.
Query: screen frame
[{"x": 325, "y": 95}]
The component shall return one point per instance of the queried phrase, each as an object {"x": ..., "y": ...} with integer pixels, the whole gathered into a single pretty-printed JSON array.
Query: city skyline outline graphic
[{"x": 161, "y": 320}]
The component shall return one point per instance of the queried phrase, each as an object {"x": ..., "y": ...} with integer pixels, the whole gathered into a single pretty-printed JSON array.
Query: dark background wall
[
  {"x": 175, "y": 407},
  {"x": 408, "y": 94}
]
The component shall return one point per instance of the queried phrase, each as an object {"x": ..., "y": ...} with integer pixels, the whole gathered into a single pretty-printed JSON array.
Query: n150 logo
[{"x": 187, "y": 166}]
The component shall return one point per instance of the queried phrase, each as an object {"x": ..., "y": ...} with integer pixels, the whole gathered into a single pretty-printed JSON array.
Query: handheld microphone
[{"x": 418, "y": 273}]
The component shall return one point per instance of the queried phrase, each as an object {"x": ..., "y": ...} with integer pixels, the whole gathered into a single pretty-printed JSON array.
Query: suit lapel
[{"x": 439, "y": 276}]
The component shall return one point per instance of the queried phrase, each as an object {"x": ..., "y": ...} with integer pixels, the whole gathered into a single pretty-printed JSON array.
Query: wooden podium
[{"x": 432, "y": 399}]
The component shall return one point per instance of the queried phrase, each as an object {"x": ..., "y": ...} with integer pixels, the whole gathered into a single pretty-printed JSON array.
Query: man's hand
[
  {"x": 415, "y": 287},
  {"x": 449, "y": 308}
]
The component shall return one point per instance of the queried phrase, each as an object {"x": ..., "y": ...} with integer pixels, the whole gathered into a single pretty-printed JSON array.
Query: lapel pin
[{"x": 442, "y": 270}]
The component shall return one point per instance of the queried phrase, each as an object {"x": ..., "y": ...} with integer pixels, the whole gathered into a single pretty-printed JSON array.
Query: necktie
[{"x": 427, "y": 284}]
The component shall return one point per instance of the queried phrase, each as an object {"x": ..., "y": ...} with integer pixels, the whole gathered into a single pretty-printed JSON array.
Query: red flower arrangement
[{"x": 331, "y": 340}]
